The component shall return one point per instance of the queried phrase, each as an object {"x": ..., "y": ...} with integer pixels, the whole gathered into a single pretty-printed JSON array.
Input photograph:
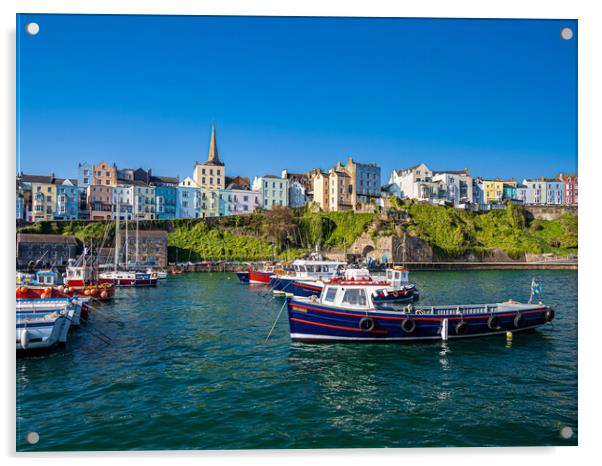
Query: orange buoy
[
  {"x": 104, "y": 294},
  {"x": 87, "y": 292},
  {"x": 93, "y": 292}
]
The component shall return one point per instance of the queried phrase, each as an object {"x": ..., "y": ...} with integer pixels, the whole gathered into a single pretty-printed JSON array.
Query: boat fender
[
  {"x": 461, "y": 327},
  {"x": 366, "y": 324},
  {"x": 493, "y": 323},
  {"x": 408, "y": 325},
  {"x": 409, "y": 308},
  {"x": 24, "y": 338},
  {"x": 550, "y": 314},
  {"x": 518, "y": 319}
]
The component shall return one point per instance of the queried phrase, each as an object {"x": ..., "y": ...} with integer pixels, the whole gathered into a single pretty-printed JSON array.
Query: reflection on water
[{"x": 188, "y": 368}]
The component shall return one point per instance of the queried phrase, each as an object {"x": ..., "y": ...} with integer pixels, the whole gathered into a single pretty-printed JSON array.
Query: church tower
[{"x": 211, "y": 177}]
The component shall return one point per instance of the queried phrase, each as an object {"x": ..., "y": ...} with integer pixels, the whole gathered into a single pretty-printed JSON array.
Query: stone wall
[
  {"x": 549, "y": 212},
  {"x": 392, "y": 247}
]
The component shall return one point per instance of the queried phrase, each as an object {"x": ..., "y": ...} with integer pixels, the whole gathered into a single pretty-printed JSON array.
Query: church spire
[{"x": 213, "y": 158}]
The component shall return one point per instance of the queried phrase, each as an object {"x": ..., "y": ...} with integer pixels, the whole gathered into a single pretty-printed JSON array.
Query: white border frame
[{"x": 590, "y": 81}]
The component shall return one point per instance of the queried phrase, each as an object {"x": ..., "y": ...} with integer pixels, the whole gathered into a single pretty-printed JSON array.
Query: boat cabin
[
  {"x": 78, "y": 273},
  {"x": 397, "y": 276},
  {"x": 48, "y": 277},
  {"x": 352, "y": 295},
  {"x": 316, "y": 269}
]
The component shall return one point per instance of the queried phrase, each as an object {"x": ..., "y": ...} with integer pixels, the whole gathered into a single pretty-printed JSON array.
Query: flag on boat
[{"x": 535, "y": 291}]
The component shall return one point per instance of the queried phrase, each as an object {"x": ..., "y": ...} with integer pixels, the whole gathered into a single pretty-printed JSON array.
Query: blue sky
[{"x": 496, "y": 96}]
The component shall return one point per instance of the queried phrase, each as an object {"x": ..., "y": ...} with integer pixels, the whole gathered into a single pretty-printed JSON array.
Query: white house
[
  {"x": 416, "y": 182},
  {"x": 536, "y": 192},
  {"x": 123, "y": 195}
]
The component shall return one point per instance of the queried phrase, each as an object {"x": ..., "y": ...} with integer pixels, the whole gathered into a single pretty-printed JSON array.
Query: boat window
[
  {"x": 330, "y": 294},
  {"x": 355, "y": 296},
  {"x": 389, "y": 274}
]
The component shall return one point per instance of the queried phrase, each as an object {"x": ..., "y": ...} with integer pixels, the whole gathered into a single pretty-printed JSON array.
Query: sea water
[{"x": 186, "y": 367}]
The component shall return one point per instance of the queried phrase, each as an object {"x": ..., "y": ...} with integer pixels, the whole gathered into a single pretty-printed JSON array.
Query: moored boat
[
  {"x": 243, "y": 276},
  {"x": 46, "y": 284},
  {"x": 128, "y": 278},
  {"x": 262, "y": 275},
  {"x": 348, "y": 313},
  {"x": 309, "y": 271},
  {"x": 44, "y": 323},
  {"x": 394, "y": 286}
]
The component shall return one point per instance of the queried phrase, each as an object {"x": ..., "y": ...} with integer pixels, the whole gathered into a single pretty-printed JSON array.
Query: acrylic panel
[{"x": 295, "y": 232}]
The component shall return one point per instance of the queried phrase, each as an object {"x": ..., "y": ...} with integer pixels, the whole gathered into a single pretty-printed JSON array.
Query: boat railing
[{"x": 466, "y": 309}]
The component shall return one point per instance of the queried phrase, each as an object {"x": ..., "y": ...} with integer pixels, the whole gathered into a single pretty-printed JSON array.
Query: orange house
[{"x": 105, "y": 174}]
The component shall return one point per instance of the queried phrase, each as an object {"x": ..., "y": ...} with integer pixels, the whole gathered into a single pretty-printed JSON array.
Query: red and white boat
[
  {"x": 261, "y": 276},
  {"x": 47, "y": 284}
]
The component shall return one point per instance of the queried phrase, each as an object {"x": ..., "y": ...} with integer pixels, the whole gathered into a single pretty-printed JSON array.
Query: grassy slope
[{"x": 453, "y": 232}]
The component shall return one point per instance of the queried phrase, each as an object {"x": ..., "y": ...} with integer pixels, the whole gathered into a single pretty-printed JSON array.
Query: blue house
[
  {"x": 510, "y": 192},
  {"x": 167, "y": 197},
  {"x": 67, "y": 199},
  {"x": 85, "y": 173},
  {"x": 188, "y": 200}
]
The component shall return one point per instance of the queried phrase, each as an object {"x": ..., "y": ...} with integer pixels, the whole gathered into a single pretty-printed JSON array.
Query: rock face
[{"x": 392, "y": 248}]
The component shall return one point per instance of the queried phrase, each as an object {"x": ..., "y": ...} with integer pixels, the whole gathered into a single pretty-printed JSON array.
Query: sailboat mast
[
  {"x": 136, "y": 239},
  {"x": 117, "y": 235},
  {"x": 126, "y": 237}
]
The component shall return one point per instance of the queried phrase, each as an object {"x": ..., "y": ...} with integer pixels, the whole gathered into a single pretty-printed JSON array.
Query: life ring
[
  {"x": 518, "y": 319},
  {"x": 493, "y": 323},
  {"x": 408, "y": 325},
  {"x": 461, "y": 327},
  {"x": 367, "y": 324},
  {"x": 549, "y": 315}
]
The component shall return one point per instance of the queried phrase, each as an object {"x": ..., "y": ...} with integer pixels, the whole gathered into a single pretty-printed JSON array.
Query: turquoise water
[{"x": 187, "y": 369}]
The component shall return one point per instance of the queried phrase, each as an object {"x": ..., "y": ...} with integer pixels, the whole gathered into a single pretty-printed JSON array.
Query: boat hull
[
  {"x": 256, "y": 276},
  {"x": 313, "y": 322},
  {"x": 282, "y": 285},
  {"x": 243, "y": 276},
  {"x": 138, "y": 279}
]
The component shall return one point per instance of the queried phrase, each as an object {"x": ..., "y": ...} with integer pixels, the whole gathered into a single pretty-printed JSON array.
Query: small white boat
[{"x": 44, "y": 323}]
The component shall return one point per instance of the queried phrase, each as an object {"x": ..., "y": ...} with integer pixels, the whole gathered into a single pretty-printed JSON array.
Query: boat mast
[
  {"x": 136, "y": 239},
  {"x": 117, "y": 235},
  {"x": 126, "y": 237}
]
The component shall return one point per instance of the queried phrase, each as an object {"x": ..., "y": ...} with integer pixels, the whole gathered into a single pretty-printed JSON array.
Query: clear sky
[{"x": 496, "y": 96}]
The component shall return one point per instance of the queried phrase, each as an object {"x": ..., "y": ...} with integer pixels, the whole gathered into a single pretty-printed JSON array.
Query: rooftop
[{"x": 38, "y": 238}]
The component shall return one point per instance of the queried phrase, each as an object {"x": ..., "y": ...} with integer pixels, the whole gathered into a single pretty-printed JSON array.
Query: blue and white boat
[
  {"x": 348, "y": 312},
  {"x": 306, "y": 270},
  {"x": 395, "y": 285},
  {"x": 44, "y": 323}
]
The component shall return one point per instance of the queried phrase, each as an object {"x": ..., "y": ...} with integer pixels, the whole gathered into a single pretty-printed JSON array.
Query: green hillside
[{"x": 289, "y": 233}]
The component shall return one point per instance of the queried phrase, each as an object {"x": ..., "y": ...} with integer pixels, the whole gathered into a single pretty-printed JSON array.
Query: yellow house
[
  {"x": 493, "y": 191},
  {"x": 43, "y": 196}
]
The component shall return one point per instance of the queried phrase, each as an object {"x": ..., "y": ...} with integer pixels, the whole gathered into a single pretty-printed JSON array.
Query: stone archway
[{"x": 367, "y": 250}]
